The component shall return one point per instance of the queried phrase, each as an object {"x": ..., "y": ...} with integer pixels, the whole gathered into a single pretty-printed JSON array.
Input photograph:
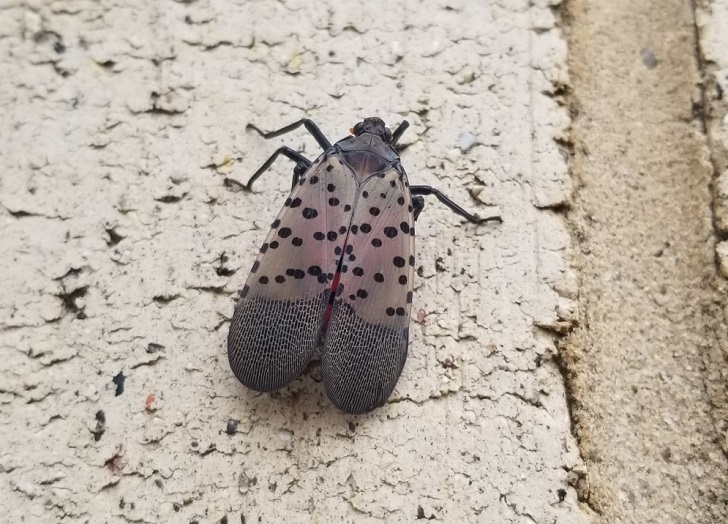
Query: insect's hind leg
[
  {"x": 427, "y": 190},
  {"x": 288, "y": 153},
  {"x": 310, "y": 126}
]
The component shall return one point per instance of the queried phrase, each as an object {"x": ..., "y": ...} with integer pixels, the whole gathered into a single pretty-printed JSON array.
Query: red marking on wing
[
  {"x": 282, "y": 309},
  {"x": 330, "y": 307},
  {"x": 365, "y": 345}
]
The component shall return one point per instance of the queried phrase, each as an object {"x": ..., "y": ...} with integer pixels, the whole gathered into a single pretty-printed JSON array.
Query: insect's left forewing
[
  {"x": 365, "y": 345},
  {"x": 280, "y": 315}
]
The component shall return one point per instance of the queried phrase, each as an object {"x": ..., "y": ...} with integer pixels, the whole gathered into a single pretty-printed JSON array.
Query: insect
[{"x": 336, "y": 267}]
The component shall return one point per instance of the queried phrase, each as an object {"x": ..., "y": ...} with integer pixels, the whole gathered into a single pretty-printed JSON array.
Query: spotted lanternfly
[{"x": 336, "y": 267}]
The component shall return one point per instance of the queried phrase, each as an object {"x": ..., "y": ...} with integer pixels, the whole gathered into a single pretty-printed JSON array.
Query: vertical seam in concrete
[
  {"x": 705, "y": 108},
  {"x": 700, "y": 61},
  {"x": 701, "y": 113},
  {"x": 583, "y": 493}
]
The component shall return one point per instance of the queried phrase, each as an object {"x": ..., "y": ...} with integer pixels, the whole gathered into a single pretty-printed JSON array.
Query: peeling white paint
[{"x": 123, "y": 249}]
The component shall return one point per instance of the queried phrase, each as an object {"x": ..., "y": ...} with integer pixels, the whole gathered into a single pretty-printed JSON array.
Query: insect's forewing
[
  {"x": 365, "y": 345},
  {"x": 280, "y": 314}
]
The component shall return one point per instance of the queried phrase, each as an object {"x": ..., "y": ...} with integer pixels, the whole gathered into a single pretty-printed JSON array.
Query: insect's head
[{"x": 373, "y": 126}]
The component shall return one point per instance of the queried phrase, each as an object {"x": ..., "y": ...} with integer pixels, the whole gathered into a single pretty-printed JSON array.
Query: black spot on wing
[
  {"x": 390, "y": 232},
  {"x": 309, "y": 213}
]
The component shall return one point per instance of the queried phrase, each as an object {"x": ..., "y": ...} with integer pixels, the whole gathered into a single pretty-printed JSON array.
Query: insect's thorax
[{"x": 367, "y": 155}]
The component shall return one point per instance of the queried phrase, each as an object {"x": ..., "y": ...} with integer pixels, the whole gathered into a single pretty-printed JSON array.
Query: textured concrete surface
[
  {"x": 123, "y": 249},
  {"x": 648, "y": 364}
]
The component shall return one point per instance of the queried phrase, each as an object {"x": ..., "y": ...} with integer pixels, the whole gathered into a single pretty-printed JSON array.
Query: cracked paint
[{"x": 124, "y": 140}]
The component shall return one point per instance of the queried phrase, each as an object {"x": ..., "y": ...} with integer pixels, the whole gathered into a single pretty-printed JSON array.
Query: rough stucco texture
[{"x": 123, "y": 249}]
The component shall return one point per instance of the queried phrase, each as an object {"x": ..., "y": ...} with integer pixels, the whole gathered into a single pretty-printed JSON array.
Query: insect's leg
[
  {"x": 427, "y": 190},
  {"x": 418, "y": 204},
  {"x": 401, "y": 128},
  {"x": 286, "y": 152},
  {"x": 305, "y": 122},
  {"x": 298, "y": 172}
]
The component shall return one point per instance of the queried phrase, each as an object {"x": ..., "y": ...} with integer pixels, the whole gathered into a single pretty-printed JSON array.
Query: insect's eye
[
  {"x": 387, "y": 135},
  {"x": 358, "y": 129}
]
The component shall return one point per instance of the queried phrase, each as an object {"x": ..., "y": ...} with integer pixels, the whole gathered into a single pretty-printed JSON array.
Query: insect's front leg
[
  {"x": 288, "y": 153},
  {"x": 310, "y": 126},
  {"x": 397, "y": 134},
  {"x": 427, "y": 190},
  {"x": 298, "y": 172}
]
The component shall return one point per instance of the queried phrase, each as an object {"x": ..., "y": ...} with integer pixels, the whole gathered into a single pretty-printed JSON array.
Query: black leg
[
  {"x": 427, "y": 190},
  {"x": 418, "y": 204},
  {"x": 298, "y": 172},
  {"x": 401, "y": 128},
  {"x": 308, "y": 124},
  {"x": 288, "y": 153}
]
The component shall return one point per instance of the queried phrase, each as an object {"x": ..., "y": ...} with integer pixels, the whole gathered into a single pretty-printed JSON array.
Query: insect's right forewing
[
  {"x": 365, "y": 346},
  {"x": 280, "y": 314}
]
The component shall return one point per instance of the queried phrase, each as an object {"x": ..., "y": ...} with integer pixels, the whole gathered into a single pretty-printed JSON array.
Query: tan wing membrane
[
  {"x": 365, "y": 345},
  {"x": 279, "y": 317}
]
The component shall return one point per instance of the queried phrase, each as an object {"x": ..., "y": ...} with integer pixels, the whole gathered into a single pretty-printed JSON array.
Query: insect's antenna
[{"x": 399, "y": 132}]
